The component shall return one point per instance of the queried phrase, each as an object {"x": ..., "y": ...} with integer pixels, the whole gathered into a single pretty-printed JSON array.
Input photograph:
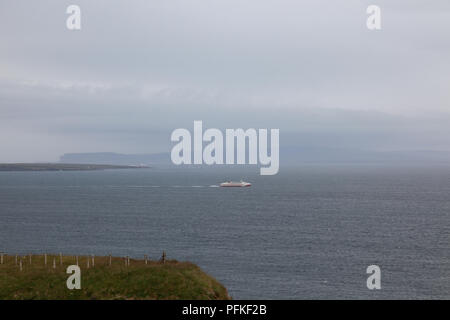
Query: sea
[{"x": 309, "y": 232}]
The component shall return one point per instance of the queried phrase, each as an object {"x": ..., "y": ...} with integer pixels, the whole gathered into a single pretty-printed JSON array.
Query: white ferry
[{"x": 235, "y": 184}]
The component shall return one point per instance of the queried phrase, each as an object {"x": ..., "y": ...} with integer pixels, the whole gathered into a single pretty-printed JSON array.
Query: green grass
[{"x": 171, "y": 280}]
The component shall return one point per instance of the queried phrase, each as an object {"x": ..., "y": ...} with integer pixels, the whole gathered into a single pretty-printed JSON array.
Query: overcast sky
[{"x": 139, "y": 69}]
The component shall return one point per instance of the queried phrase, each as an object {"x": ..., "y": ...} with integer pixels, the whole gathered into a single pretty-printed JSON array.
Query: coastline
[{"x": 63, "y": 167}]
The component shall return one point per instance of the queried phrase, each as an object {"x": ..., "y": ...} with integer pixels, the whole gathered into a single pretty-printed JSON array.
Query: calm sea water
[{"x": 308, "y": 232}]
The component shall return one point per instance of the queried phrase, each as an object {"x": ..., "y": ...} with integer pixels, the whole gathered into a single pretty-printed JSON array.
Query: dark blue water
[{"x": 308, "y": 232}]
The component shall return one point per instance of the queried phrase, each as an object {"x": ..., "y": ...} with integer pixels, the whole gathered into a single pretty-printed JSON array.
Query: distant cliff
[
  {"x": 289, "y": 155},
  {"x": 116, "y": 158}
]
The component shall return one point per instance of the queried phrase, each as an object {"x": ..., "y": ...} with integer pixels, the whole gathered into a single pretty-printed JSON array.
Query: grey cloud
[{"x": 139, "y": 69}]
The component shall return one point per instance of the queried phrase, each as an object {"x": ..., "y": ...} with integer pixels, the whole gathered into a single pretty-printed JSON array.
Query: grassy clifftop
[{"x": 138, "y": 280}]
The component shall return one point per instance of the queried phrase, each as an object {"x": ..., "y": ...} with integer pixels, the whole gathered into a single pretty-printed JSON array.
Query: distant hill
[
  {"x": 289, "y": 155},
  {"x": 308, "y": 154}
]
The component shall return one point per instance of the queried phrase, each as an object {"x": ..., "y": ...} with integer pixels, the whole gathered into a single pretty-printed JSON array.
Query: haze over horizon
[{"x": 138, "y": 70}]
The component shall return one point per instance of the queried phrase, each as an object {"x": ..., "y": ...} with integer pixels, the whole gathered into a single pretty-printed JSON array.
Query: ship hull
[{"x": 235, "y": 184}]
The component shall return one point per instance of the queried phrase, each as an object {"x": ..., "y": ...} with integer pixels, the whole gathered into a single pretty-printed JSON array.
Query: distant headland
[{"x": 63, "y": 167}]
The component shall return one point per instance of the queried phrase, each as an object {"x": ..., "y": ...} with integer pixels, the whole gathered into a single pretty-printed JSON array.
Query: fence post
[
  {"x": 30, "y": 259},
  {"x": 1, "y": 258},
  {"x": 109, "y": 260},
  {"x": 20, "y": 265},
  {"x": 93, "y": 261},
  {"x": 54, "y": 263},
  {"x": 45, "y": 259},
  {"x": 128, "y": 260},
  {"x": 87, "y": 263},
  {"x": 145, "y": 257},
  {"x": 76, "y": 259},
  {"x": 16, "y": 260}
]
